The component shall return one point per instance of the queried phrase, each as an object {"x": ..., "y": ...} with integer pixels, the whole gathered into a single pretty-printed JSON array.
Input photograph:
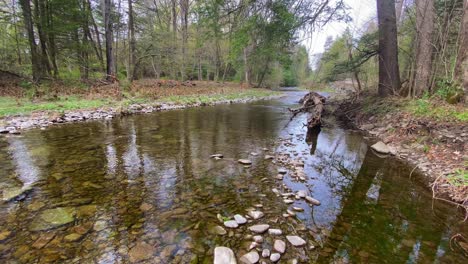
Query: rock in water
[
  {"x": 312, "y": 200},
  {"x": 240, "y": 219},
  {"x": 282, "y": 171},
  {"x": 15, "y": 192},
  {"x": 256, "y": 214},
  {"x": 274, "y": 232},
  {"x": 250, "y": 258},
  {"x": 259, "y": 229},
  {"x": 381, "y": 147},
  {"x": 224, "y": 255},
  {"x": 245, "y": 161},
  {"x": 266, "y": 253},
  {"x": 279, "y": 246},
  {"x": 296, "y": 241},
  {"x": 141, "y": 251},
  {"x": 218, "y": 230},
  {"x": 219, "y": 156},
  {"x": 52, "y": 218},
  {"x": 231, "y": 224},
  {"x": 275, "y": 257}
]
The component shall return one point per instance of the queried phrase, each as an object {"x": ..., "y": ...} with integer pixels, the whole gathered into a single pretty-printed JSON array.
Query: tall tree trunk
[
  {"x": 184, "y": 7},
  {"x": 389, "y": 75},
  {"x": 246, "y": 68},
  {"x": 132, "y": 44},
  {"x": 98, "y": 35},
  {"x": 424, "y": 27},
  {"x": 37, "y": 70},
  {"x": 15, "y": 21},
  {"x": 461, "y": 64},
  {"x": 51, "y": 40},
  {"x": 40, "y": 17},
  {"x": 174, "y": 34},
  {"x": 110, "y": 68}
]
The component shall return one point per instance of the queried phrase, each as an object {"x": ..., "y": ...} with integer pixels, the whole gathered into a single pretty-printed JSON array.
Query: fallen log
[{"x": 311, "y": 103}]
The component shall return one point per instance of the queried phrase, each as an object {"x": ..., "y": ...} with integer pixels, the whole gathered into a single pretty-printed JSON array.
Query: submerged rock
[
  {"x": 275, "y": 257},
  {"x": 266, "y": 253},
  {"x": 256, "y": 214},
  {"x": 141, "y": 251},
  {"x": 53, "y": 218},
  {"x": 245, "y": 161},
  {"x": 224, "y": 255},
  {"x": 231, "y": 224},
  {"x": 250, "y": 258},
  {"x": 312, "y": 200},
  {"x": 275, "y": 232},
  {"x": 4, "y": 235},
  {"x": 218, "y": 230},
  {"x": 13, "y": 193},
  {"x": 219, "y": 156},
  {"x": 381, "y": 147},
  {"x": 296, "y": 241}
]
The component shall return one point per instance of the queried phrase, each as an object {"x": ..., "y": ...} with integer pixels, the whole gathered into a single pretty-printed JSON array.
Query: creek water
[{"x": 144, "y": 188}]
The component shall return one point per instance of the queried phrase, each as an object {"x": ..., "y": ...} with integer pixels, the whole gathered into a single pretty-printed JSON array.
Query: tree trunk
[
  {"x": 110, "y": 73},
  {"x": 246, "y": 69},
  {"x": 51, "y": 41},
  {"x": 37, "y": 70},
  {"x": 40, "y": 17},
  {"x": 389, "y": 75},
  {"x": 18, "y": 49},
  {"x": 174, "y": 35},
  {"x": 424, "y": 47},
  {"x": 184, "y": 8},
  {"x": 98, "y": 48},
  {"x": 132, "y": 44},
  {"x": 461, "y": 64}
]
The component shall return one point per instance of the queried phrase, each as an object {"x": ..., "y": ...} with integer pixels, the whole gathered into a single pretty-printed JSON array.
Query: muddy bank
[
  {"x": 434, "y": 148},
  {"x": 14, "y": 124}
]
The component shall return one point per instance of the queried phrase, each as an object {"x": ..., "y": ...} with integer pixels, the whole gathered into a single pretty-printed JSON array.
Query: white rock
[
  {"x": 275, "y": 232},
  {"x": 299, "y": 209},
  {"x": 266, "y": 253},
  {"x": 245, "y": 161},
  {"x": 282, "y": 171},
  {"x": 259, "y": 229},
  {"x": 250, "y": 258},
  {"x": 296, "y": 241},
  {"x": 312, "y": 200},
  {"x": 224, "y": 255},
  {"x": 256, "y": 214},
  {"x": 258, "y": 239},
  {"x": 381, "y": 147},
  {"x": 302, "y": 193},
  {"x": 231, "y": 224},
  {"x": 279, "y": 246},
  {"x": 291, "y": 213},
  {"x": 240, "y": 219},
  {"x": 275, "y": 257},
  {"x": 288, "y": 201},
  {"x": 217, "y": 156}
]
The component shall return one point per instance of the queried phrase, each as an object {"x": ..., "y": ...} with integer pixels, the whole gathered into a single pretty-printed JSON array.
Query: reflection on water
[{"x": 144, "y": 188}]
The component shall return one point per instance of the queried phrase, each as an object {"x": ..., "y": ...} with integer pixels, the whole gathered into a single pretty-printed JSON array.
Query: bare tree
[
  {"x": 110, "y": 67},
  {"x": 389, "y": 75},
  {"x": 461, "y": 64},
  {"x": 132, "y": 43},
  {"x": 424, "y": 47}
]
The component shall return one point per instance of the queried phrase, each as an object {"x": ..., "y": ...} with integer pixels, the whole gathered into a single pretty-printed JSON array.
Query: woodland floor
[{"x": 428, "y": 133}]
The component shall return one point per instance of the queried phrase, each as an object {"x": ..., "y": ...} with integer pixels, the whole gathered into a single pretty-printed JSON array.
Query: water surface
[{"x": 149, "y": 180}]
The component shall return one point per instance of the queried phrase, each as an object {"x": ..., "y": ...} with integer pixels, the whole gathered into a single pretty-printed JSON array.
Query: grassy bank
[{"x": 144, "y": 91}]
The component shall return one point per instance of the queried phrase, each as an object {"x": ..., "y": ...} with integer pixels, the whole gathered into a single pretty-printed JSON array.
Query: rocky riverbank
[
  {"x": 14, "y": 124},
  {"x": 434, "y": 147}
]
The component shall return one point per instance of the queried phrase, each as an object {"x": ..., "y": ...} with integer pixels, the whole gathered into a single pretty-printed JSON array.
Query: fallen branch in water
[{"x": 312, "y": 103}]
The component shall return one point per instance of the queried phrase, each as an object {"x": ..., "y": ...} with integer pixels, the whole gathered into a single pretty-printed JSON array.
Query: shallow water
[{"x": 144, "y": 188}]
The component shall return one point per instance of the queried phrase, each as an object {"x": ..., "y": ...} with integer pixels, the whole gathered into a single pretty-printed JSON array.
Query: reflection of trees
[{"x": 395, "y": 225}]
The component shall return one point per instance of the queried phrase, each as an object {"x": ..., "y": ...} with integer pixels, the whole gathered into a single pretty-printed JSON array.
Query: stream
[{"x": 144, "y": 188}]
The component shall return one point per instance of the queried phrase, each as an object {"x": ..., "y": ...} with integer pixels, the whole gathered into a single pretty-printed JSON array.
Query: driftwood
[{"x": 311, "y": 103}]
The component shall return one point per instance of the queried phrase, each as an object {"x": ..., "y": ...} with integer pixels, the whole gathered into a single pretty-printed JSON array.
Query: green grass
[
  {"x": 441, "y": 112},
  {"x": 10, "y": 106},
  {"x": 459, "y": 178}
]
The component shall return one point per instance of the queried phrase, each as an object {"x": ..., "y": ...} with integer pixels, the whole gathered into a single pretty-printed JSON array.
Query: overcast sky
[{"x": 361, "y": 11}]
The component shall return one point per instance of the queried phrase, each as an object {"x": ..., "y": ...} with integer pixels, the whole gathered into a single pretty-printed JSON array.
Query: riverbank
[
  {"x": 429, "y": 134},
  {"x": 107, "y": 102}
]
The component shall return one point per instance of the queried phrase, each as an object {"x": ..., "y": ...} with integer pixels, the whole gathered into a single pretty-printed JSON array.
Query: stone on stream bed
[
  {"x": 13, "y": 193},
  {"x": 275, "y": 257},
  {"x": 53, "y": 218},
  {"x": 217, "y": 230},
  {"x": 266, "y": 253},
  {"x": 259, "y": 229},
  {"x": 296, "y": 241},
  {"x": 312, "y": 200},
  {"x": 250, "y": 258},
  {"x": 279, "y": 246},
  {"x": 256, "y": 214},
  {"x": 381, "y": 147},
  {"x": 275, "y": 232},
  {"x": 224, "y": 255},
  {"x": 245, "y": 161},
  {"x": 240, "y": 219},
  {"x": 219, "y": 156},
  {"x": 141, "y": 251},
  {"x": 231, "y": 224}
]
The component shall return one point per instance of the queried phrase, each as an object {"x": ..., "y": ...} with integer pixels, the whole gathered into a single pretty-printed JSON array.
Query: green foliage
[{"x": 459, "y": 178}]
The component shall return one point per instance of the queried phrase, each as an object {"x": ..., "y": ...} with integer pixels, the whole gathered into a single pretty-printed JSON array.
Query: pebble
[
  {"x": 288, "y": 201},
  {"x": 275, "y": 257},
  {"x": 256, "y": 214},
  {"x": 279, "y": 246},
  {"x": 240, "y": 219},
  {"x": 282, "y": 171},
  {"x": 224, "y": 255},
  {"x": 312, "y": 200},
  {"x": 275, "y": 232},
  {"x": 266, "y": 253},
  {"x": 258, "y": 239},
  {"x": 259, "y": 229},
  {"x": 250, "y": 258},
  {"x": 296, "y": 241},
  {"x": 245, "y": 161},
  {"x": 299, "y": 209},
  {"x": 302, "y": 193},
  {"x": 219, "y": 156},
  {"x": 231, "y": 224}
]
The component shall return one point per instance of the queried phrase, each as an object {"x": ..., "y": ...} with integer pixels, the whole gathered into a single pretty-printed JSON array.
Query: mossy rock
[{"x": 53, "y": 218}]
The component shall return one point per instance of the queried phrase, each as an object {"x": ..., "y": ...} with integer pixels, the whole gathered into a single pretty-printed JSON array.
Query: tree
[
  {"x": 132, "y": 44},
  {"x": 389, "y": 74},
  {"x": 110, "y": 66},
  {"x": 461, "y": 64},
  {"x": 37, "y": 69},
  {"x": 424, "y": 47}
]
